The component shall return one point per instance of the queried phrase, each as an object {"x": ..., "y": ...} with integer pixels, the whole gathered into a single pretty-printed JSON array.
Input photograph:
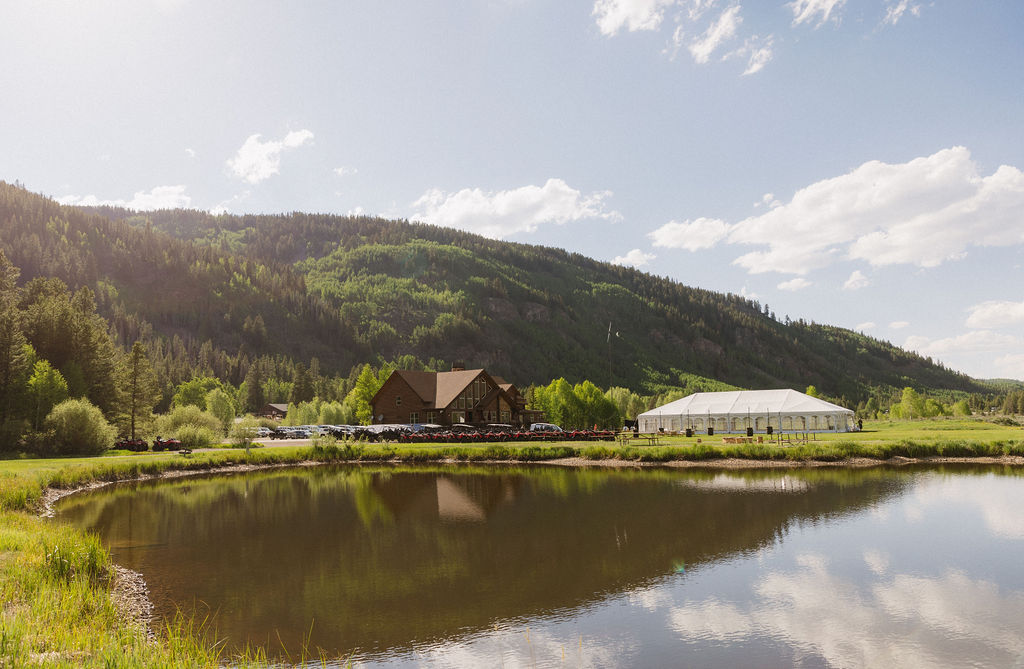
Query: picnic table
[{"x": 626, "y": 437}]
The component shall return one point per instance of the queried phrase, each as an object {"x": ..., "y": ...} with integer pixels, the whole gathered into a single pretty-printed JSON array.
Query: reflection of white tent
[{"x": 735, "y": 411}]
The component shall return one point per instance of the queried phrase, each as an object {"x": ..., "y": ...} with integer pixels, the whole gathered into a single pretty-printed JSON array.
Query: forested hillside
[{"x": 345, "y": 290}]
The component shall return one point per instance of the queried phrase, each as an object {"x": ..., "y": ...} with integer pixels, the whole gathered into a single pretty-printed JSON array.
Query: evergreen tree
[
  {"x": 12, "y": 342},
  {"x": 302, "y": 385},
  {"x": 141, "y": 389},
  {"x": 254, "y": 399}
]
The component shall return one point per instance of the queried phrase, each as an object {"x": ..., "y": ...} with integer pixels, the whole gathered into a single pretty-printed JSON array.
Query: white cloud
[
  {"x": 702, "y": 233},
  {"x": 504, "y": 213},
  {"x": 160, "y": 197},
  {"x": 759, "y": 53},
  {"x": 345, "y": 171},
  {"x": 898, "y": 325},
  {"x": 635, "y": 258},
  {"x": 856, "y": 281},
  {"x": 865, "y": 326},
  {"x": 975, "y": 341},
  {"x": 1010, "y": 366},
  {"x": 798, "y": 283},
  {"x": 881, "y": 212},
  {"x": 995, "y": 314},
  {"x": 895, "y": 11},
  {"x": 804, "y": 11},
  {"x": 719, "y": 32},
  {"x": 191, "y": 153},
  {"x": 257, "y": 160},
  {"x": 614, "y": 15}
]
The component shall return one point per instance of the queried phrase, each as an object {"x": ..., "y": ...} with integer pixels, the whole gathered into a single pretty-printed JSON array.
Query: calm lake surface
[{"x": 551, "y": 567}]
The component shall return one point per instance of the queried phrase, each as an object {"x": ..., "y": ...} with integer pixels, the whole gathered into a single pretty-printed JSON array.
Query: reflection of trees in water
[{"x": 380, "y": 556}]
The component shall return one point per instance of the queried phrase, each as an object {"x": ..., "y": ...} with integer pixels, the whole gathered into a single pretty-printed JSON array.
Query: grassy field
[{"x": 55, "y": 582}]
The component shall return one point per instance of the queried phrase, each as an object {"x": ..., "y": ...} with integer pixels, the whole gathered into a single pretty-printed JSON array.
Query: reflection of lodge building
[
  {"x": 469, "y": 396},
  {"x": 452, "y": 498}
]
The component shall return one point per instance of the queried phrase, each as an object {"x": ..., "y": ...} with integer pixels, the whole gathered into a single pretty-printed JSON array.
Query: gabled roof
[
  {"x": 754, "y": 402},
  {"x": 439, "y": 389},
  {"x": 450, "y": 384},
  {"x": 423, "y": 384}
]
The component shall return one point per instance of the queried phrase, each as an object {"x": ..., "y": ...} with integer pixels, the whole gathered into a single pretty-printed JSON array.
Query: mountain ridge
[{"x": 346, "y": 290}]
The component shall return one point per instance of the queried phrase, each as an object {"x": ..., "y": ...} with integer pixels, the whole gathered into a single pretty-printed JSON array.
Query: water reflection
[{"x": 551, "y": 567}]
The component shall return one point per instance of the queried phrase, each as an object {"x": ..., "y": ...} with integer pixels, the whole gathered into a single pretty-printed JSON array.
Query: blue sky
[{"x": 851, "y": 163}]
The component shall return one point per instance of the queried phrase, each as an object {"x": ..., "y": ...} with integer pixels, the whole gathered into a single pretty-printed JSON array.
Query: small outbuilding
[
  {"x": 735, "y": 411},
  {"x": 274, "y": 411}
]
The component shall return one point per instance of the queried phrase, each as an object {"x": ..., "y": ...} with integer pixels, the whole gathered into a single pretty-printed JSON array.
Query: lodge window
[
  {"x": 458, "y": 417},
  {"x": 414, "y": 417},
  {"x": 398, "y": 400},
  {"x": 431, "y": 416},
  {"x": 505, "y": 417}
]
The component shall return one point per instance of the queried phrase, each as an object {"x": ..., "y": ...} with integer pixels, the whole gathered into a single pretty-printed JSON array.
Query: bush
[
  {"x": 188, "y": 415},
  {"x": 79, "y": 428},
  {"x": 243, "y": 432},
  {"x": 191, "y": 436}
]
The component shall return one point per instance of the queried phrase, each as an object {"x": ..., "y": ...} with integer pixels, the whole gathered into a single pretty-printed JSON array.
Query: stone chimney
[{"x": 458, "y": 366}]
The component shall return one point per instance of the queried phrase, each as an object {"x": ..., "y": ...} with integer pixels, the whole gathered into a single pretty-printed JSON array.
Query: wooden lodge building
[{"x": 470, "y": 396}]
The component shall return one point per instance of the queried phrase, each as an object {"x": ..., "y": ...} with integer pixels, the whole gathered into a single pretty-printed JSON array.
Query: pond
[{"x": 547, "y": 566}]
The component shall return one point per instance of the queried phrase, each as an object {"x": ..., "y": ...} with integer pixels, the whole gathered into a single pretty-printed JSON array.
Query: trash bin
[
  {"x": 689, "y": 432},
  {"x": 711, "y": 431},
  {"x": 750, "y": 432}
]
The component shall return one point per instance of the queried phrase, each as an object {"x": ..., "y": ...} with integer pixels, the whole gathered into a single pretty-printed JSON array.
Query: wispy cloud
[
  {"x": 159, "y": 197},
  {"x": 635, "y": 258},
  {"x": 879, "y": 213},
  {"x": 793, "y": 285},
  {"x": 257, "y": 160},
  {"x": 632, "y": 15},
  {"x": 719, "y": 32},
  {"x": 866, "y": 326},
  {"x": 508, "y": 212},
  {"x": 806, "y": 11},
  {"x": 856, "y": 281},
  {"x": 895, "y": 11}
]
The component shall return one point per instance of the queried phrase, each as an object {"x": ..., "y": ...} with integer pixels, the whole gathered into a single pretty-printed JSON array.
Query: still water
[{"x": 552, "y": 567}]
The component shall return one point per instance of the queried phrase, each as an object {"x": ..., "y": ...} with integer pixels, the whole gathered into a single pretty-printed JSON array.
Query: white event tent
[{"x": 735, "y": 411}]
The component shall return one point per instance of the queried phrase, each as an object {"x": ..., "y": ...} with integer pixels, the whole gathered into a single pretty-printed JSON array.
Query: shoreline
[{"x": 130, "y": 592}]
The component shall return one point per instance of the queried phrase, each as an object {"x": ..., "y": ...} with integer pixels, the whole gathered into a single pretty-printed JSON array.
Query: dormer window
[{"x": 398, "y": 400}]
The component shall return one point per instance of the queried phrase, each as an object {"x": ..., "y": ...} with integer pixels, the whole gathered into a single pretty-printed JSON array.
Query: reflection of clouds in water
[
  {"x": 519, "y": 646},
  {"x": 711, "y": 619},
  {"x": 877, "y": 561},
  {"x": 899, "y": 621},
  {"x": 956, "y": 605},
  {"x": 998, "y": 501}
]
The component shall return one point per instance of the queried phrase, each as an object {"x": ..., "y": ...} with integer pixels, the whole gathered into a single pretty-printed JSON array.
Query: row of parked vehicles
[
  {"x": 419, "y": 433},
  {"x": 428, "y": 433},
  {"x": 141, "y": 445}
]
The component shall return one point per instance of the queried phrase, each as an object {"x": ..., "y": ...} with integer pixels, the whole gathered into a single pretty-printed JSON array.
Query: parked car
[{"x": 545, "y": 427}]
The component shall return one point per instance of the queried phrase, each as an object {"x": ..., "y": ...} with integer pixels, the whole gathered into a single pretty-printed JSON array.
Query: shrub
[
  {"x": 192, "y": 436},
  {"x": 188, "y": 415},
  {"x": 243, "y": 432},
  {"x": 79, "y": 428}
]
